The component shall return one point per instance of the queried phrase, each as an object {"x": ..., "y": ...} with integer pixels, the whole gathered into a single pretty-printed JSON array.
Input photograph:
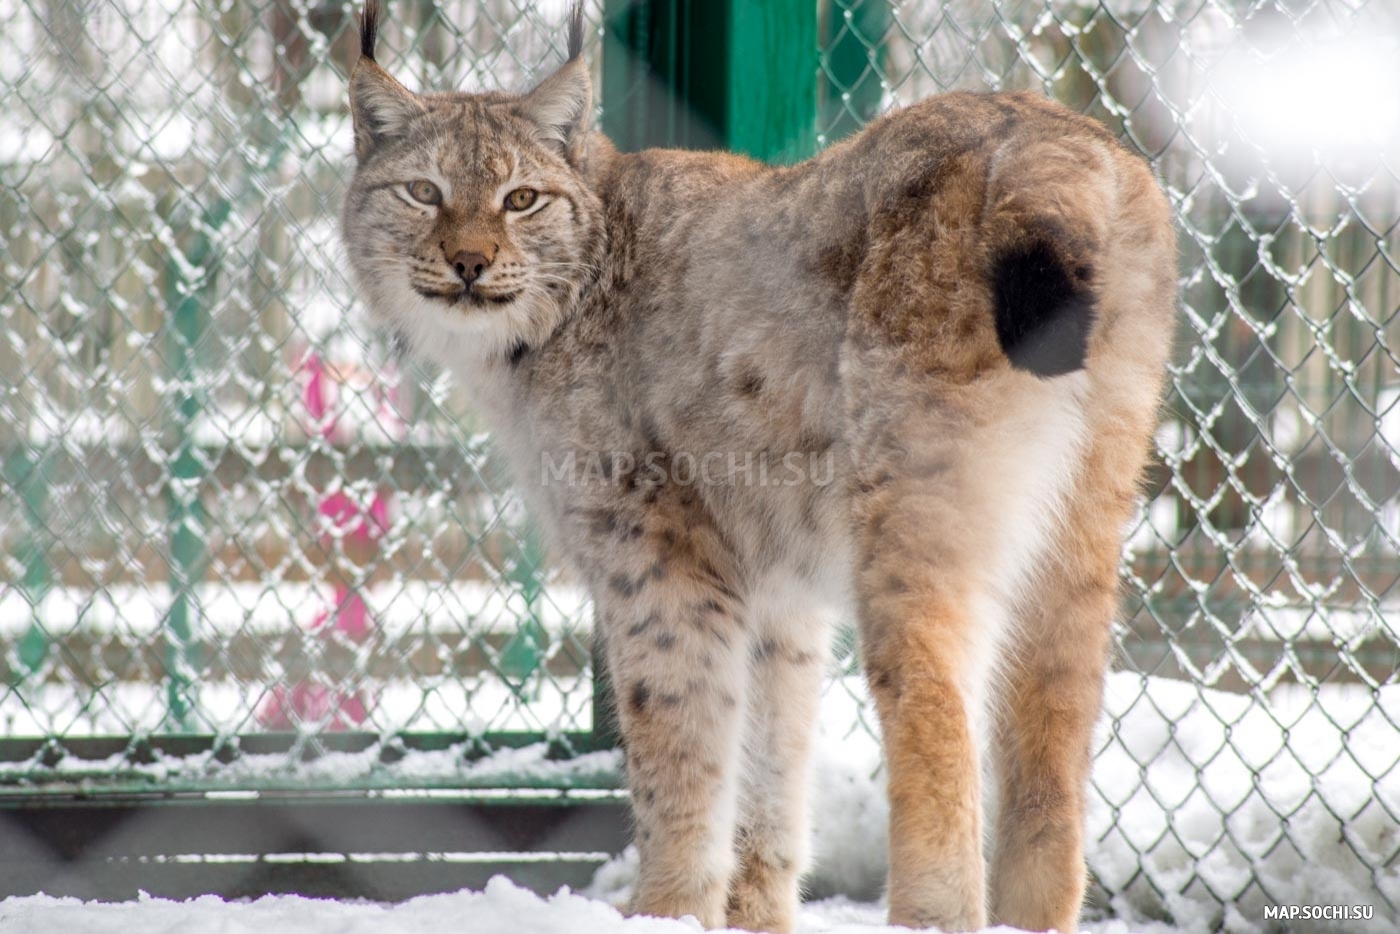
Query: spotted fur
[{"x": 916, "y": 376}]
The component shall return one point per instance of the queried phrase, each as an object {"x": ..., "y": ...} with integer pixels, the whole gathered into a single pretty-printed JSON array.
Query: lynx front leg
[
  {"x": 676, "y": 656},
  {"x": 787, "y": 656}
]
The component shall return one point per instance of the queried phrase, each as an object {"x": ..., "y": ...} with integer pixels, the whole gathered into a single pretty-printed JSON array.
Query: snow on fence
[{"x": 226, "y": 511}]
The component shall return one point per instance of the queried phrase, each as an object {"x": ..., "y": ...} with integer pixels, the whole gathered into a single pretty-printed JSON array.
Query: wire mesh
[
  {"x": 1264, "y": 560},
  {"x": 227, "y": 511}
]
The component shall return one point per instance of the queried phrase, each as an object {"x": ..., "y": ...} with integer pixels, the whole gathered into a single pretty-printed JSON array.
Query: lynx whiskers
[{"x": 965, "y": 309}]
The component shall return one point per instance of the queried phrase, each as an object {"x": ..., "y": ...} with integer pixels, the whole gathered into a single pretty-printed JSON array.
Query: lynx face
[{"x": 468, "y": 225}]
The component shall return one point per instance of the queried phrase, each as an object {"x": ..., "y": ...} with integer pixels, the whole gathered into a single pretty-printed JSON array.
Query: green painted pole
[
  {"x": 648, "y": 90},
  {"x": 522, "y": 657},
  {"x": 712, "y": 74},
  {"x": 186, "y": 515},
  {"x": 26, "y": 472},
  {"x": 771, "y": 79},
  {"x": 852, "y": 63}
]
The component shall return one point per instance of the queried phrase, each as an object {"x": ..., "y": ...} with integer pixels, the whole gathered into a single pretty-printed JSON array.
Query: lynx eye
[
  {"x": 521, "y": 199},
  {"x": 424, "y": 192}
]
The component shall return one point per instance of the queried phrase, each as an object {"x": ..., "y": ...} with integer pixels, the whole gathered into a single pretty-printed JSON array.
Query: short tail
[
  {"x": 1050, "y": 205},
  {"x": 1044, "y": 308}
]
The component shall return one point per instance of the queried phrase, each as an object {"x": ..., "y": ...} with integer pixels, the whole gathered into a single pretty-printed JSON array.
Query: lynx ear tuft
[
  {"x": 380, "y": 107},
  {"x": 369, "y": 28},
  {"x": 576, "y": 30}
]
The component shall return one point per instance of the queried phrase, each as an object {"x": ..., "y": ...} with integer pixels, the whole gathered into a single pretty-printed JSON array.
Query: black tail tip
[
  {"x": 1044, "y": 310},
  {"x": 576, "y": 30},
  {"x": 369, "y": 28}
]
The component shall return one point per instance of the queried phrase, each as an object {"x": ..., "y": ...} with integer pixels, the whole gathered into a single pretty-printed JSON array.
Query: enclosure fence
[{"x": 236, "y": 533}]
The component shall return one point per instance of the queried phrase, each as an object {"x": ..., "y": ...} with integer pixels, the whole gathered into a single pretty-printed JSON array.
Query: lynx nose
[{"x": 470, "y": 265}]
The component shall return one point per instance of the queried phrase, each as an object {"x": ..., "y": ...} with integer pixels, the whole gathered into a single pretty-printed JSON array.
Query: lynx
[{"x": 912, "y": 380}]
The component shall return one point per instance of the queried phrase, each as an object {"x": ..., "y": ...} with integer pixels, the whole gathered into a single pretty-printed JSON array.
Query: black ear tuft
[
  {"x": 1044, "y": 311},
  {"x": 369, "y": 28},
  {"x": 576, "y": 30}
]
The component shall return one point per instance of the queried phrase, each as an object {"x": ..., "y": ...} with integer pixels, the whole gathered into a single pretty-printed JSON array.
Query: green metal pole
[
  {"x": 648, "y": 78},
  {"x": 853, "y": 61},
  {"x": 712, "y": 74},
  {"x": 771, "y": 79},
  {"x": 523, "y": 654},
  {"x": 26, "y": 472},
  {"x": 185, "y": 513}
]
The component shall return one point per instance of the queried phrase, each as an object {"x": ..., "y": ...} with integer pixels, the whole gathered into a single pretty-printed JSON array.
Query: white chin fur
[{"x": 456, "y": 335}]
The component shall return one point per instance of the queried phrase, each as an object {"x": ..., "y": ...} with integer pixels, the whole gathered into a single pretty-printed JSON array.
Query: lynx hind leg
[
  {"x": 677, "y": 659},
  {"x": 1053, "y": 692},
  {"x": 1046, "y": 719},
  {"x": 952, "y": 524},
  {"x": 788, "y": 651}
]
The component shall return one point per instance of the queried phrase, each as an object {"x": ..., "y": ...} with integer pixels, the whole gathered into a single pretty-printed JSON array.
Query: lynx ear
[
  {"x": 562, "y": 105},
  {"x": 379, "y": 105}
]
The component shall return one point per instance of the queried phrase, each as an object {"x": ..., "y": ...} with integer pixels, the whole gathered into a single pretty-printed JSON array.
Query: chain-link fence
[
  {"x": 226, "y": 510},
  {"x": 229, "y": 519}
]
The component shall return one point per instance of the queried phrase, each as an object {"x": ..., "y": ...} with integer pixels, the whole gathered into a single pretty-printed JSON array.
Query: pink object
[
  {"x": 351, "y": 615},
  {"x": 320, "y": 396},
  {"x": 349, "y": 517},
  {"x": 387, "y": 412},
  {"x": 321, "y": 393},
  {"x": 289, "y": 706},
  {"x": 308, "y": 700}
]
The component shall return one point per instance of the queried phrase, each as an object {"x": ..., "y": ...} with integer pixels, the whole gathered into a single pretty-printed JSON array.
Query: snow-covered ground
[
  {"x": 1289, "y": 801},
  {"x": 501, "y": 909}
]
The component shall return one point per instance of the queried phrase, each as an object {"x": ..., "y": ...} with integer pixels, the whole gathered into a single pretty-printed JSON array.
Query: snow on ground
[
  {"x": 501, "y": 909},
  {"x": 1197, "y": 788}
]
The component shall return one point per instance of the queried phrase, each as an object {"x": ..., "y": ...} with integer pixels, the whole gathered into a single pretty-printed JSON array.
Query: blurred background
[{"x": 237, "y": 535}]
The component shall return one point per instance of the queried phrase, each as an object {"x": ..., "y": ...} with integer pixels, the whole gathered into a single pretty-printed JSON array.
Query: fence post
[
  {"x": 523, "y": 655},
  {"x": 852, "y": 62},
  {"x": 186, "y": 515},
  {"x": 27, "y": 473},
  {"x": 712, "y": 74}
]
